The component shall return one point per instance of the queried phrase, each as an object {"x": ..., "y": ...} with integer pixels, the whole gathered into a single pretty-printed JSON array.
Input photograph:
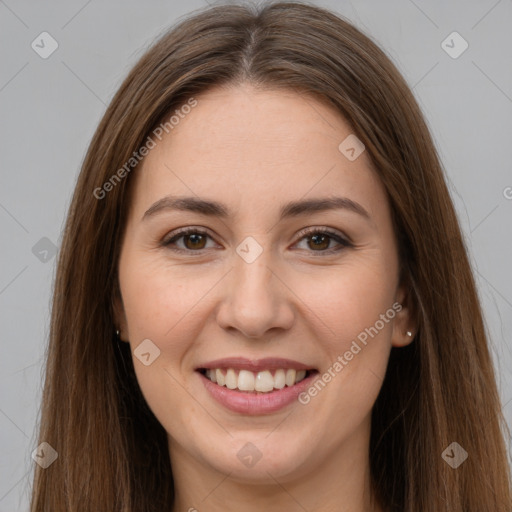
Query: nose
[{"x": 255, "y": 299}]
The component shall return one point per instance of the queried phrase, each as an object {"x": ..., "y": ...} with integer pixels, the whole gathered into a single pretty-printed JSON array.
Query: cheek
[
  {"x": 172, "y": 304},
  {"x": 352, "y": 311},
  {"x": 161, "y": 300},
  {"x": 162, "y": 305},
  {"x": 344, "y": 301}
]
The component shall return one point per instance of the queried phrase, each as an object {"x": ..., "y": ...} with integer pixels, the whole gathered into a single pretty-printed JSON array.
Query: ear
[
  {"x": 119, "y": 316},
  {"x": 405, "y": 319}
]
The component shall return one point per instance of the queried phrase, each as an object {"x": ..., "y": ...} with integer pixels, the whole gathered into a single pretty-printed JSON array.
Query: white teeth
[
  {"x": 263, "y": 382},
  {"x": 221, "y": 379},
  {"x": 290, "y": 377},
  {"x": 300, "y": 375},
  {"x": 231, "y": 379},
  {"x": 279, "y": 379},
  {"x": 245, "y": 381}
]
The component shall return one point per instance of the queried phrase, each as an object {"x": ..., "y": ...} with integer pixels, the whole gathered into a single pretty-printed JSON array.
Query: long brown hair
[{"x": 440, "y": 389}]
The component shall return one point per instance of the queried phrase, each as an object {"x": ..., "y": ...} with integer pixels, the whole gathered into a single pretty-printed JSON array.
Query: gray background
[{"x": 50, "y": 108}]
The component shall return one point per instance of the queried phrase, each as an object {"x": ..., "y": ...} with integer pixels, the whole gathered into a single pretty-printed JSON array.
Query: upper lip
[{"x": 255, "y": 365}]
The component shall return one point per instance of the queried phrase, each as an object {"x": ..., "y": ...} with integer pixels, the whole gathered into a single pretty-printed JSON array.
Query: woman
[{"x": 263, "y": 298}]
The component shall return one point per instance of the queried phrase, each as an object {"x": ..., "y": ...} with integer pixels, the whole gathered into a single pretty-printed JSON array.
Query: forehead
[{"x": 255, "y": 149}]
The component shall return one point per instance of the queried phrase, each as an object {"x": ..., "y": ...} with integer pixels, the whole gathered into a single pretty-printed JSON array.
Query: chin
[{"x": 262, "y": 460}]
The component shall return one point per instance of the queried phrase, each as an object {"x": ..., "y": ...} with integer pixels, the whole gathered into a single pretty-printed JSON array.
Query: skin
[{"x": 254, "y": 150}]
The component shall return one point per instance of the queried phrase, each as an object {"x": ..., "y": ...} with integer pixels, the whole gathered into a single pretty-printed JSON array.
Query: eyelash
[{"x": 303, "y": 234}]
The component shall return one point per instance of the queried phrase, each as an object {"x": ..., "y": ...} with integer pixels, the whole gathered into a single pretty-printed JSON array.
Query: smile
[
  {"x": 255, "y": 387},
  {"x": 264, "y": 381}
]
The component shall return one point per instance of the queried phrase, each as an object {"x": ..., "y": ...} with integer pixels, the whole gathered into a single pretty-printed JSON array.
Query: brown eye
[
  {"x": 318, "y": 240},
  {"x": 196, "y": 241},
  {"x": 193, "y": 240}
]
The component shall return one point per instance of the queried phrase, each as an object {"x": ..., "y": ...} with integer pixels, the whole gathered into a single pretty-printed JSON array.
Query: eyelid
[
  {"x": 335, "y": 233},
  {"x": 177, "y": 234},
  {"x": 342, "y": 239}
]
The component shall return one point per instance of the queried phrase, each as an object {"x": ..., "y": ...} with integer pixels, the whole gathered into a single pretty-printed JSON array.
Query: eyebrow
[{"x": 291, "y": 209}]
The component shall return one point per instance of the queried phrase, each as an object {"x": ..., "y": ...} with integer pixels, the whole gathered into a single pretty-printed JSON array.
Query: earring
[
  {"x": 117, "y": 333},
  {"x": 409, "y": 333}
]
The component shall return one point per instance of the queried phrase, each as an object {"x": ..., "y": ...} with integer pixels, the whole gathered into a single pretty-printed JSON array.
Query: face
[{"x": 295, "y": 308}]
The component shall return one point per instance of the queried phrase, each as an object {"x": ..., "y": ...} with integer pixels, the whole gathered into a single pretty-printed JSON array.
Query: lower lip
[{"x": 253, "y": 404}]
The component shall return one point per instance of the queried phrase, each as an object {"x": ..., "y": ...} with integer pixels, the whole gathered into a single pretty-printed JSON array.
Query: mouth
[
  {"x": 255, "y": 387},
  {"x": 247, "y": 381}
]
